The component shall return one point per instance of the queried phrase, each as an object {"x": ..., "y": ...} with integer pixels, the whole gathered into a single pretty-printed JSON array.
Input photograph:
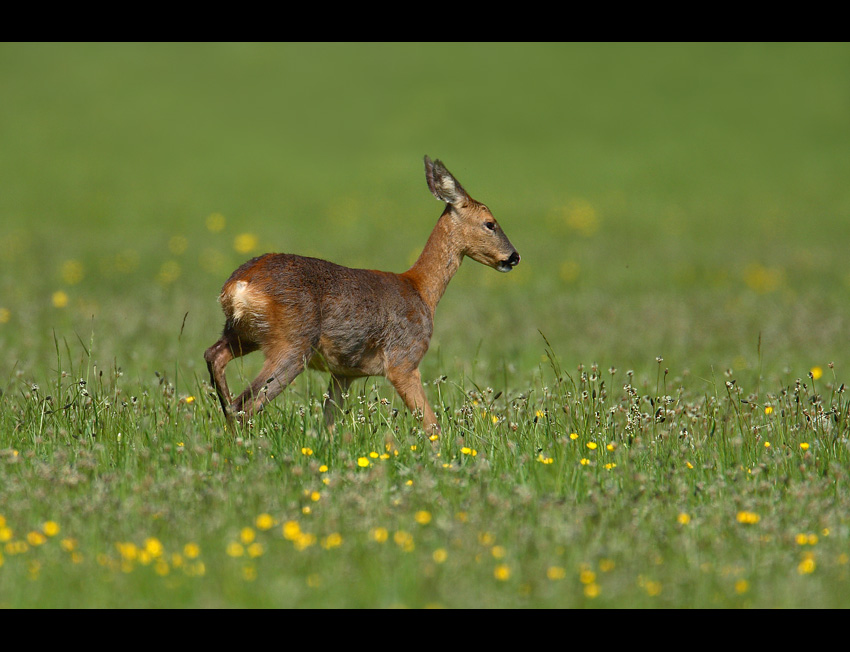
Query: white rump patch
[
  {"x": 240, "y": 300},
  {"x": 245, "y": 306}
]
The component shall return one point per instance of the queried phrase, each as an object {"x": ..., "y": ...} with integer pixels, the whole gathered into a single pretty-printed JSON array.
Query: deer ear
[{"x": 441, "y": 182}]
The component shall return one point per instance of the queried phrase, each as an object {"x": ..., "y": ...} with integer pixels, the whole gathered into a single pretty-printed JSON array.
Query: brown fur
[{"x": 306, "y": 312}]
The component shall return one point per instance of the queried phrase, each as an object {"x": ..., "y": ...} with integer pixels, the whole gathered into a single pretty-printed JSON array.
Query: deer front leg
[
  {"x": 408, "y": 384},
  {"x": 333, "y": 403}
]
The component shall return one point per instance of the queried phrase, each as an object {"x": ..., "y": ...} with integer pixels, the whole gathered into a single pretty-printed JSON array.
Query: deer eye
[{"x": 490, "y": 225}]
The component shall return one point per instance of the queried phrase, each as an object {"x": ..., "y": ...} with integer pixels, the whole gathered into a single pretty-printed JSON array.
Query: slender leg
[
  {"x": 409, "y": 387},
  {"x": 333, "y": 403},
  {"x": 277, "y": 372},
  {"x": 217, "y": 356}
]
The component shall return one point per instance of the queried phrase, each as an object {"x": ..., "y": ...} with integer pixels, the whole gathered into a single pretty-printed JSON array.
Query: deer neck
[{"x": 437, "y": 264}]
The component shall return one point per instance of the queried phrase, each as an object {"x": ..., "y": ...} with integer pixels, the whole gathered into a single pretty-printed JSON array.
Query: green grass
[{"x": 682, "y": 303}]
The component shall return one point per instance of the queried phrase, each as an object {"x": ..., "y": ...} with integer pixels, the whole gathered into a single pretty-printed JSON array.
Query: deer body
[{"x": 306, "y": 312}]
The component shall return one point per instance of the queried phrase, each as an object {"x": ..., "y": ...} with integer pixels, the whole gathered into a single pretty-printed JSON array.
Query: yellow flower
[
  {"x": 264, "y": 522},
  {"x": 191, "y": 550},
  {"x": 742, "y": 586},
  {"x": 749, "y": 518},
  {"x": 379, "y": 534},
  {"x": 556, "y": 572},
  {"x": 763, "y": 279},
  {"x": 502, "y": 572},
  {"x": 544, "y": 460},
  {"x": 768, "y": 409},
  {"x": 485, "y": 538},
  {"x": 128, "y": 551},
  {"x": 587, "y": 576},
  {"x": 807, "y": 565},
  {"x": 439, "y": 555},
  {"x": 767, "y": 444},
  {"x": 50, "y": 528},
  {"x": 816, "y": 372},
  {"x": 591, "y": 445},
  {"x": 235, "y": 549},
  {"x": 306, "y": 451},
  {"x": 683, "y": 519},
  {"x": 245, "y": 243},
  {"x": 804, "y": 445},
  {"x": 591, "y": 590},
  {"x": 652, "y": 588},
  {"x": 304, "y": 540},
  {"x": 363, "y": 462},
  {"x": 333, "y": 540},
  {"x": 573, "y": 436},
  {"x": 153, "y": 547},
  {"x": 323, "y": 468},
  {"x": 247, "y": 535},
  {"x": 36, "y": 538},
  {"x": 422, "y": 517},
  {"x": 404, "y": 540},
  {"x": 59, "y": 299},
  {"x": 469, "y": 451},
  {"x": 584, "y": 461},
  {"x": 291, "y": 530}
]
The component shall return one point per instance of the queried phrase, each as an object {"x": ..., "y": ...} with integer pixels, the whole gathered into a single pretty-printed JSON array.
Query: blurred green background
[{"x": 673, "y": 200}]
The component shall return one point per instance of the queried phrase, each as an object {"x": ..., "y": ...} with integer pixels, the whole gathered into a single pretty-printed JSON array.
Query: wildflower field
[{"x": 649, "y": 411}]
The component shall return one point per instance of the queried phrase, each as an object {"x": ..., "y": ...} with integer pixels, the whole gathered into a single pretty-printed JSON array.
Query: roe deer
[{"x": 305, "y": 312}]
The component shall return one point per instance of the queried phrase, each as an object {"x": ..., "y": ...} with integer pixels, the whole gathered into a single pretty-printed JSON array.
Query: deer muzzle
[{"x": 510, "y": 263}]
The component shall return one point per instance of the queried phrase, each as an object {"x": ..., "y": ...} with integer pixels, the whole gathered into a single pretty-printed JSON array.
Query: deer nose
[{"x": 513, "y": 261}]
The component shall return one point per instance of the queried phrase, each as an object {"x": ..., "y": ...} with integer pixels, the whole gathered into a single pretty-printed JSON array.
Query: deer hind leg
[
  {"x": 217, "y": 356},
  {"x": 280, "y": 368},
  {"x": 408, "y": 384},
  {"x": 333, "y": 403}
]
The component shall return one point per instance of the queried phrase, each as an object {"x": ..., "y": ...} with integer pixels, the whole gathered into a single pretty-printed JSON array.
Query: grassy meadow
[{"x": 649, "y": 411}]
